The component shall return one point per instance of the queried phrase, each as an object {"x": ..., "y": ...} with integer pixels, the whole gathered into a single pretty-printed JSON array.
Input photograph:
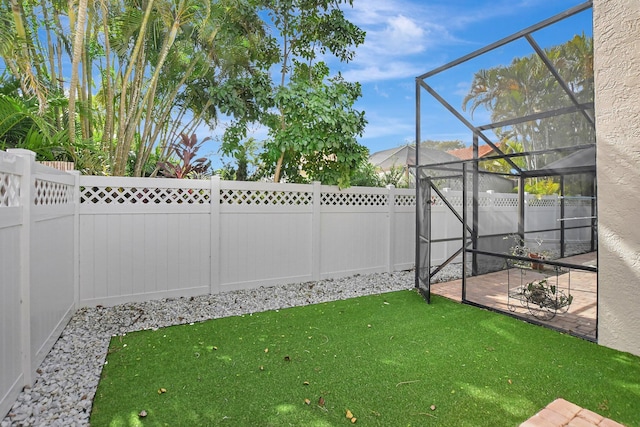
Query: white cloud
[
  {"x": 407, "y": 37},
  {"x": 382, "y": 93},
  {"x": 383, "y": 71},
  {"x": 462, "y": 88},
  {"x": 399, "y": 34}
]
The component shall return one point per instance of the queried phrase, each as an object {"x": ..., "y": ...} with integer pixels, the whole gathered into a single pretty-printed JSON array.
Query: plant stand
[{"x": 538, "y": 289}]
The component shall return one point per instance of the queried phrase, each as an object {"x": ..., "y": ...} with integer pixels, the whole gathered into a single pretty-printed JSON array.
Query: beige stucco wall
[{"x": 617, "y": 82}]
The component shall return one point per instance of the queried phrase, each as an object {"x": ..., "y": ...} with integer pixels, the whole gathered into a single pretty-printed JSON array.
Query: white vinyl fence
[
  {"x": 68, "y": 241},
  {"x": 37, "y": 266},
  {"x": 143, "y": 238},
  {"x": 498, "y": 215}
]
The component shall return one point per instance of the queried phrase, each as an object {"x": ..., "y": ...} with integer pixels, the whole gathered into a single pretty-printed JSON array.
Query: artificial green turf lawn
[{"x": 387, "y": 358}]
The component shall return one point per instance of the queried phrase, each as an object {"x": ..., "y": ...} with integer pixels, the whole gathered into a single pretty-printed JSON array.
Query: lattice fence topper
[
  {"x": 505, "y": 202},
  {"x": 354, "y": 199},
  {"x": 578, "y": 201},
  {"x": 453, "y": 200},
  {"x": 9, "y": 190},
  {"x": 135, "y": 195},
  {"x": 52, "y": 193},
  {"x": 405, "y": 200},
  {"x": 266, "y": 197},
  {"x": 542, "y": 202}
]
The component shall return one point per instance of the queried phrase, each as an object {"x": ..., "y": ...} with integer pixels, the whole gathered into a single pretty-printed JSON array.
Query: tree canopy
[{"x": 117, "y": 82}]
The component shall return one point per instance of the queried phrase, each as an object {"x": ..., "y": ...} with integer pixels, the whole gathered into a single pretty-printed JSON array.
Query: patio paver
[
  {"x": 562, "y": 413},
  {"x": 490, "y": 290}
]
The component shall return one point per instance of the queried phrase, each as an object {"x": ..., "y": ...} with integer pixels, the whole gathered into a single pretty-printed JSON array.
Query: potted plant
[
  {"x": 521, "y": 249},
  {"x": 544, "y": 295}
]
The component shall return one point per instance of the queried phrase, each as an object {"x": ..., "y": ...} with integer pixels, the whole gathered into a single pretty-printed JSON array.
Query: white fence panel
[
  {"x": 498, "y": 214},
  {"x": 143, "y": 238},
  {"x": 355, "y": 231},
  {"x": 403, "y": 249},
  {"x": 266, "y": 234},
  {"x": 11, "y": 373},
  {"x": 151, "y": 238},
  {"x": 52, "y": 258},
  {"x": 577, "y": 212}
]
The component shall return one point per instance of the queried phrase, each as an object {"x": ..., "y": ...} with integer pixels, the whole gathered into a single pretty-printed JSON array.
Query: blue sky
[{"x": 406, "y": 38}]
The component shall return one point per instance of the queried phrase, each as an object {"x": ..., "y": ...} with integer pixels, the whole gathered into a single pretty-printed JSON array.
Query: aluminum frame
[{"x": 461, "y": 169}]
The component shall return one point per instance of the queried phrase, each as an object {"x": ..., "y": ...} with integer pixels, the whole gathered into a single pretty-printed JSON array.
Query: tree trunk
[
  {"x": 78, "y": 48},
  {"x": 123, "y": 139}
]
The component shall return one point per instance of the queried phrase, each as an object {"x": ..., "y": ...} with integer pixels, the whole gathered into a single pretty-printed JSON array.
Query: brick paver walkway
[
  {"x": 560, "y": 413},
  {"x": 491, "y": 290}
]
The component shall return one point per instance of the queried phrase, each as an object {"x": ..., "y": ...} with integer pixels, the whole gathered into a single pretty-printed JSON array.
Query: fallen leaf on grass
[
  {"x": 162, "y": 390},
  {"x": 432, "y": 407},
  {"x": 142, "y": 414},
  {"x": 266, "y": 350},
  {"x": 306, "y": 383},
  {"x": 307, "y": 402},
  {"x": 321, "y": 401},
  {"x": 510, "y": 382},
  {"x": 353, "y": 420},
  {"x": 349, "y": 414}
]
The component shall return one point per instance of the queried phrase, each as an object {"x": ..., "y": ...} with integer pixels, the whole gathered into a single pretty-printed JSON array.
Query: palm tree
[
  {"x": 78, "y": 47},
  {"x": 17, "y": 53},
  {"x": 526, "y": 87}
]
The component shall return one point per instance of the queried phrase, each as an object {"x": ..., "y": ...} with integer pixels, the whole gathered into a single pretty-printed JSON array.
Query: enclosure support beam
[
  {"x": 594, "y": 215},
  {"x": 521, "y": 209},
  {"x": 468, "y": 124},
  {"x": 562, "y": 211},
  {"x": 464, "y": 232},
  {"x": 540, "y": 25},
  {"x": 418, "y": 174},
  {"x": 474, "y": 206},
  {"x": 558, "y": 78}
]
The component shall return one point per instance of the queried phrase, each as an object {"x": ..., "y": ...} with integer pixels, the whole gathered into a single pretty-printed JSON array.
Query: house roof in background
[
  {"x": 405, "y": 155},
  {"x": 467, "y": 153}
]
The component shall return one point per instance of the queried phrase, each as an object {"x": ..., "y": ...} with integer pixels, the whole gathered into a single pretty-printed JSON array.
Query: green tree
[
  {"x": 507, "y": 146},
  {"x": 366, "y": 176},
  {"x": 312, "y": 123},
  {"x": 443, "y": 145},
  {"x": 247, "y": 161},
  {"x": 22, "y": 126},
  {"x": 159, "y": 64},
  {"x": 318, "y": 141}
]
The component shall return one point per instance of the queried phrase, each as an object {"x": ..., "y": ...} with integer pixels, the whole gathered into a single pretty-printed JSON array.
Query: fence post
[
  {"x": 214, "y": 243},
  {"x": 316, "y": 236},
  {"x": 391, "y": 229},
  {"x": 28, "y": 158},
  {"x": 76, "y": 238}
]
